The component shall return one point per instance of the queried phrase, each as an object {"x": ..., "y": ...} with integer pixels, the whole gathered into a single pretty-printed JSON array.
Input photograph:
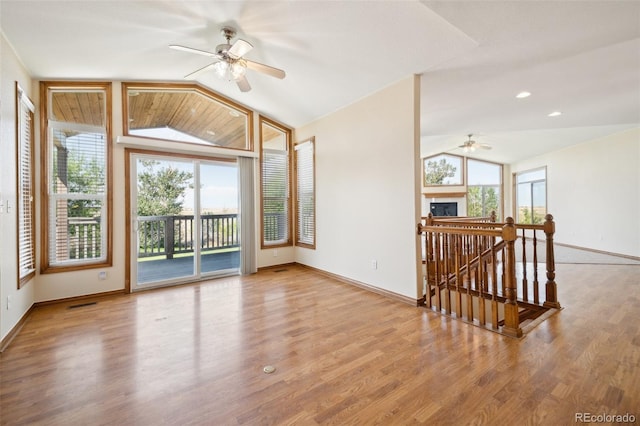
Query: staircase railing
[{"x": 473, "y": 270}]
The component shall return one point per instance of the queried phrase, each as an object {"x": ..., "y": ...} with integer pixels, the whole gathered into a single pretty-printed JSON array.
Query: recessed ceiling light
[
  {"x": 555, "y": 114},
  {"x": 523, "y": 95}
]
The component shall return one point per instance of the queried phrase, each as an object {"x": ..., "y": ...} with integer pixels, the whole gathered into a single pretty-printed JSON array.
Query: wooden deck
[
  {"x": 194, "y": 355},
  {"x": 165, "y": 269}
]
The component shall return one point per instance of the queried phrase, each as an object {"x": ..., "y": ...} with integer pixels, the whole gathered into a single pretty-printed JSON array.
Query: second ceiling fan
[
  {"x": 471, "y": 145},
  {"x": 230, "y": 63}
]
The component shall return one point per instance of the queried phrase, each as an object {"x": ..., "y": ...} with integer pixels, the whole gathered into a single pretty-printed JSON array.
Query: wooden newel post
[
  {"x": 511, "y": 316},
  {"x": 551, "y": 300},
  {"x": 430, "y": 267}
]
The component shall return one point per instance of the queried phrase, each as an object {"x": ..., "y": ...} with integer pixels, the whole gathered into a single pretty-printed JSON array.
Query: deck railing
[
  {"x": 83, "y": 239},
  {"x": 170, "y": 235},
  {"x": 469, "y": 263}
]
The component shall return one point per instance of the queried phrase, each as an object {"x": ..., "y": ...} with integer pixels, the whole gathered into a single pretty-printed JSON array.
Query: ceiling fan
[
  {"x": 471, "y": 145},
  {"x": 230, "y": 63}
]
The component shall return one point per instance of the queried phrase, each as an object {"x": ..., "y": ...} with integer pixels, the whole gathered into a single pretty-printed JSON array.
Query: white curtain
[{"x": 248, "y": 261}]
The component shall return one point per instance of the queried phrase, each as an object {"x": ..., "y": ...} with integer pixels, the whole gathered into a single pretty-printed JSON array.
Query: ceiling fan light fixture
[
  {"x": 229, "y": 70},
  {"x": 523, "y": 95}
]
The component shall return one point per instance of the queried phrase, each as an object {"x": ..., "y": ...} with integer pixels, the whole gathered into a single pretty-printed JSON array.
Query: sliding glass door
[{"x": 184, "y": 214}]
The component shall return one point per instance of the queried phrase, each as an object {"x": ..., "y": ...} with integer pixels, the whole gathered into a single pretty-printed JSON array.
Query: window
[
  {"x": 185, "y": 113},
  {"x": 305, "y": 194},
  {"x": 442, "y": 169},
  {"x": 275, "y": 174},
  {"x": 25, "y": 187},
  {"x": 531, "y": 196},
  {"x": 76, "y": 211},
  {"x": 484, "y": 188}
]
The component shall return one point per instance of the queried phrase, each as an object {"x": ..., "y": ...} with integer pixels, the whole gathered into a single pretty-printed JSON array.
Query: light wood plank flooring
[{"x": 194, "y": 355}]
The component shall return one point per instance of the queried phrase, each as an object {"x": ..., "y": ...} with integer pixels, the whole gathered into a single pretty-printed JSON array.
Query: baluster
[
  {"x": 525, "y": 284},
  {"x": 447, "y": 292},
  {"x": 511, "y": 315},
  {"x": 468, "y": 279},
  {"x": 428, "y": 240},
  {"x": 494, "y": 290},
  {"x": 536, "y": 291},
  {"x": 437, "y": 271},
  {"x": 551, "y": 286},
  {"x": 168, "y": 236},
  {"x": 458, "y": 246},
  {"x": 480, "y": 285},
  {"x": 503, "y": 281}
]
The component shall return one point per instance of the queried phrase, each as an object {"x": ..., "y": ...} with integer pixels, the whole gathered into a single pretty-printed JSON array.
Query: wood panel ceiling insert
[{"x": 185, "y": 113}]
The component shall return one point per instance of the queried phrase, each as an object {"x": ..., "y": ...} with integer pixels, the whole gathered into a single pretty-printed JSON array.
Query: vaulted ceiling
[{"x": 580, "y": 58}]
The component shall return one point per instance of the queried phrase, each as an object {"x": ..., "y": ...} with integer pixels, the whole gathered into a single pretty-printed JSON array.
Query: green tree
[
  {"x": 80, "y": 176},
  {"x": 474, "y": 201},
  {"x": 481, "y": 201},
  {"x": 161, "y": 190},
  {"x": 436, "y": 172}
]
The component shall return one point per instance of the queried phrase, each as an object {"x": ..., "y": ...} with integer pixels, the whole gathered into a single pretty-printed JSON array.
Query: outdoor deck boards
[{"x": 164, "y": 269}]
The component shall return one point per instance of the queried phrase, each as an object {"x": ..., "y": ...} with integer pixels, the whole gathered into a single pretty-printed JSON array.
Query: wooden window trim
[
  {"x": 288, "y": 133},
  {"x": 45, "y": 86}
]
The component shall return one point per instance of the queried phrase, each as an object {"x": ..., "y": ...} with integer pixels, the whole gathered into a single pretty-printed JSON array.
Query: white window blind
[
  {"x": 275, "y": 196},
  {"x": 305, "y": 194},
  {"x": 26, "y": 220}
]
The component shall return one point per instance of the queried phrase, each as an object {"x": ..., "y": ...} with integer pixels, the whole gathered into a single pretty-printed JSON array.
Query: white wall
[
  {"x": 11, "y": 70},
  {"x": 368, "y": 190},
  {"x": 593, "y": 192}
]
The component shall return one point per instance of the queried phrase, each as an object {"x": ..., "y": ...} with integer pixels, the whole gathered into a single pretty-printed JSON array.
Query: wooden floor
[{"x": 194, "y": 355}]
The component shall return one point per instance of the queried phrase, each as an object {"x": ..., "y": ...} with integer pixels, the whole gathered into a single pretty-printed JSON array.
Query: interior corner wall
[
  {"x": 593, "y": 192},
  {"x": 368, "y": 190},
  {"x": 14, "y": 302}
]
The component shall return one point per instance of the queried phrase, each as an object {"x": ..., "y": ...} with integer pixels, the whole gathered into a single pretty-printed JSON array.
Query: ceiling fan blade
[
  {"x": 243, "y": 83},
  {"x": 239, "y": 49},
  {"x": 265, "y": 69},
  {"x": 192, "y": 50},
  {"x": 198, "y": 71}
]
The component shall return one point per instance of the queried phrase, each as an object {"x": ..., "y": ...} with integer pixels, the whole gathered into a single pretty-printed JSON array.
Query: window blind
[
  {"x": 26, "y": 220},
  {"x": 305, "y": 194},
  {"x": 275, "y": 196}
]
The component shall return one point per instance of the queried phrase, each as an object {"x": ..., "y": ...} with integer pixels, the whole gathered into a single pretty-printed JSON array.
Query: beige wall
[
  {"x": 368, "y": 190},
  {"x": 593, "y": 192}
]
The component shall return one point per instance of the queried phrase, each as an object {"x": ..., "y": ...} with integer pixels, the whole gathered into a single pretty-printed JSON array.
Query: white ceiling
[{"x": 582, "y": 58}]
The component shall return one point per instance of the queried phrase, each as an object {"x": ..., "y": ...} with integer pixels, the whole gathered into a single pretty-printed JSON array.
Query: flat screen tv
[{"x": 444, "y": 209}]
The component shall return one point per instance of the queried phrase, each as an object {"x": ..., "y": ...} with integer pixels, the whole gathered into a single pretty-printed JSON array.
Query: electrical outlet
[
  {"x": 102, "y": 275},
  {"x": 275, "y": 252},
  {"x": 8, "y": 302},
  {"x": 374, "y": 264}
]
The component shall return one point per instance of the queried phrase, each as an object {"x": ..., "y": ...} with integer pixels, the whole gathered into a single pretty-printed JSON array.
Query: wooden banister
[{"x": 471, "y": 271}]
